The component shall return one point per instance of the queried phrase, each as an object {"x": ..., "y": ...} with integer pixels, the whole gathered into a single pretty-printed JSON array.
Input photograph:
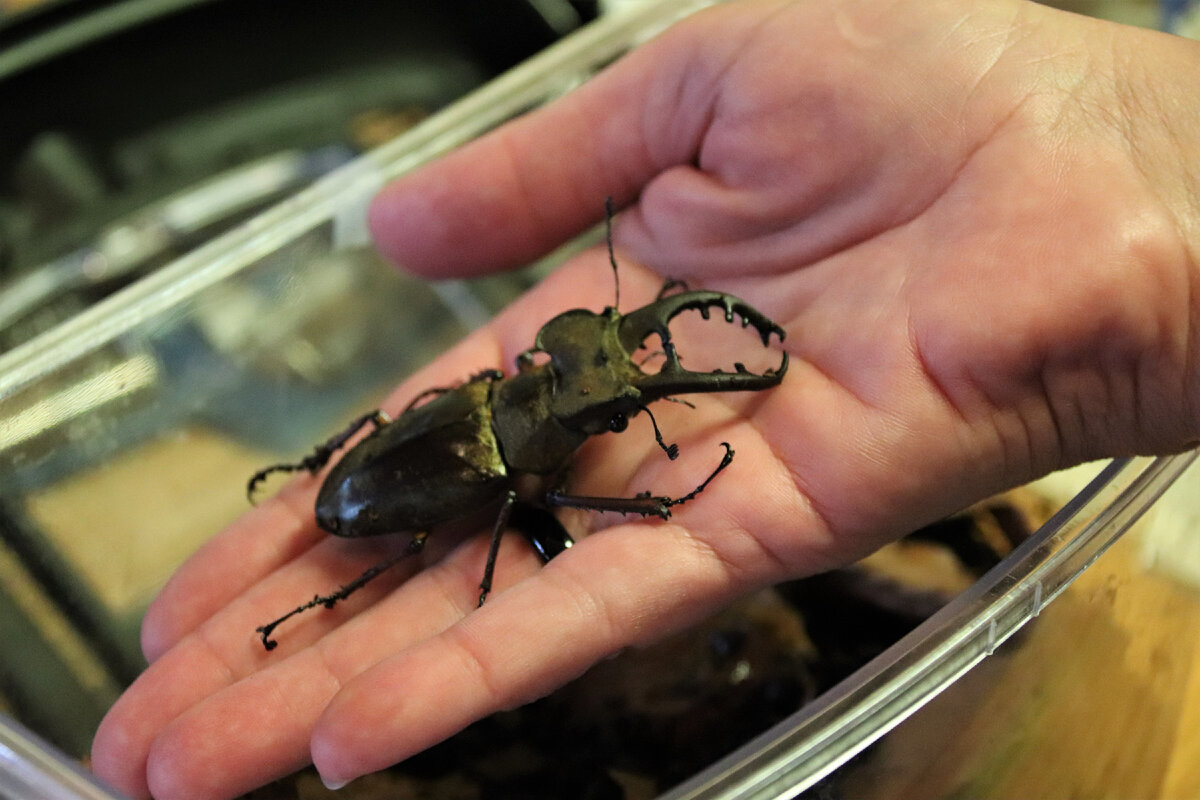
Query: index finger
[{"x": 532, "y": 184}]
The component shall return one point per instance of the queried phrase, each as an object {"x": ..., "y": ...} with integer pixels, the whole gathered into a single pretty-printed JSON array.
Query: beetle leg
[
  {"x": 489, "y": 569},
  {"x": 545, "y": 533},
  {"x": 415, "y": 546},
  {"x": 644, "y": 503},
  {"x": 725, "y": 461},
  {"x": 434, "y": 392},
  {"x": 488, "y": 375},
  {"x": 671, "y": 285},
  {"x": 321, "y": 454}
]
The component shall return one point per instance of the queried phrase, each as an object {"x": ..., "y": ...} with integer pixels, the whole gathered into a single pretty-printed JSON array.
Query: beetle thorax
[
  {"x": 594, "y": 377},
  {"x": 584, "y": 381}
]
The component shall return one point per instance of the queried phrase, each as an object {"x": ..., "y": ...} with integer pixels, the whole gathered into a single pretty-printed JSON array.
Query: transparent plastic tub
[
  {"x": 121, "y": 379},
  {"x": 826, "y": 734}
]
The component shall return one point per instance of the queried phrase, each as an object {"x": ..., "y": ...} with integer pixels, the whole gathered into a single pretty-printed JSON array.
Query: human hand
[{"x": 975, "y": 222}]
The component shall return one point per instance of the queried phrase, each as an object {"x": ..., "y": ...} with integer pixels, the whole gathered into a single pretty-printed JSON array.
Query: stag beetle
[{"x": 456, "y": 450}]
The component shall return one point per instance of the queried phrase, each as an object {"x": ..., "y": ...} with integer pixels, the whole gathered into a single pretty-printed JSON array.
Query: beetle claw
[{"x": 655, "y": 318}]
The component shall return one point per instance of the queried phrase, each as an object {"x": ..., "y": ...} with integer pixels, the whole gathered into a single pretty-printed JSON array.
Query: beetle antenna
[
  {"x": 672, "y": 450},
  {"x": 612, "y": 258},
  {"x": 416, "y": 545}
]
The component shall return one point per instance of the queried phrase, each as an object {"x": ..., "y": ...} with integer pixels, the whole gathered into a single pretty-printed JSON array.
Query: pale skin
[{"x": 976, "y": 222}]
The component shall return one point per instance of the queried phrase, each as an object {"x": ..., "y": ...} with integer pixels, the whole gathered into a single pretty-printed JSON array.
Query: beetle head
[{"x": 597, "y": 384}]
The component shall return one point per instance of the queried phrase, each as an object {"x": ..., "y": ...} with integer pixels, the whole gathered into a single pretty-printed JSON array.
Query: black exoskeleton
[{"x": 456, "y": 450}]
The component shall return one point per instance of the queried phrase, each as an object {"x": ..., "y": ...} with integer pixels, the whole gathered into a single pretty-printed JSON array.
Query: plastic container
[{"x": 799, "y": 752}]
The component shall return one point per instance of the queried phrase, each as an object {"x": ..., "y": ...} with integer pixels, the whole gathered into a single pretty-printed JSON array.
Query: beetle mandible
[{"x": 456, "y": 450}]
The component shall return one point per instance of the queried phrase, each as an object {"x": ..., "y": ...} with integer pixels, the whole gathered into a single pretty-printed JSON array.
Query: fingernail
[{"x": 333, "y": 785}]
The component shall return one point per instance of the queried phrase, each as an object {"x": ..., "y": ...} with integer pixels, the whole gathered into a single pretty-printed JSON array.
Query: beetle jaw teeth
[{"x": 672, "y": 377}]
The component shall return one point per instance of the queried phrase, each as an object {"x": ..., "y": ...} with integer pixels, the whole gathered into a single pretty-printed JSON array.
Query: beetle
[{"x": 456, "y": 450}]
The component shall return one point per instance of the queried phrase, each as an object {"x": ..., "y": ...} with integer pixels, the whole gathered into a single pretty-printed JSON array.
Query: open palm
[{"x": 979, "y": 250}]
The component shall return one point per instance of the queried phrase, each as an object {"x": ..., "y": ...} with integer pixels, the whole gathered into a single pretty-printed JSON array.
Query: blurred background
[{"x": 132, "y": 133}]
